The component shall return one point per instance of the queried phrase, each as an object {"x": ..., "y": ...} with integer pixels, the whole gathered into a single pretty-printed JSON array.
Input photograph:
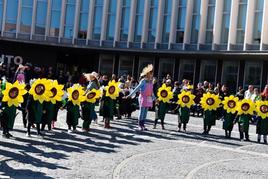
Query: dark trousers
[
  {"x": 228, "y": 133},
  {"x": 184, "y": 126},
  {"x": 207, "y": 128},
  {"x": 5, "y": 126},
  {"x": 156, "y": 121},
  {"x": 24, "y": 119},
  {"x": 242, "y": 132},
  {"x": 70, "y": 127},
  {"x": 30, "y": 125},
  {"x": 44, "y": 125}
]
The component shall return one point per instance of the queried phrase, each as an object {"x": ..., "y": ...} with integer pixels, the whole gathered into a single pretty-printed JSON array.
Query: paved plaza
[{"x": 123, "y": 152}]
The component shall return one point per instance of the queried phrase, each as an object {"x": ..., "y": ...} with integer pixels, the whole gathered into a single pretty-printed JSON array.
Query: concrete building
[{"x": 222, "y": 41}]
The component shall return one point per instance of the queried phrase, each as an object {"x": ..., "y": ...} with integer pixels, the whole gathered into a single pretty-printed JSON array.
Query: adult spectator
[
  {"x": 264, "y": 94},
  {"x": 249, "y": 92},
  {"x": 240, "y": 93}
]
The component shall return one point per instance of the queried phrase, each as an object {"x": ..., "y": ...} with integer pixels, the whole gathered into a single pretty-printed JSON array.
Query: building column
[
  {"x": 33, "y": 19},
  {"x": 203, "y": 22},
  {"x": 159, "y": 24},
  {"x": 62, "y": 18},
  {"x": 118, "y": 22},
  {"x": 18, "y": 18},
  {"x": 132, "y": 19},
  {"x": 173, "y": 26},
  {"x": 49, "y": 4},
  {"x": 90, "y": 19},
  {"x": 218, "y": 22},
  {"x": 4, "y": 17},
  {"x": 233, "y": 23},
  {"x": 249, "y": 23},
  {"x": 188, "y": 22},
  {"x": 146, "y": 19},
  {"x": 104, "y": 20},
  {"x": 264, "y": 33},
  {"x": 76, "y": 20}
]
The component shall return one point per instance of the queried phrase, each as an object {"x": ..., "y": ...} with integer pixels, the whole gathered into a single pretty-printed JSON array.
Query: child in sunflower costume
[
  {"x": 88, "y": 108},
  {"x": 210, "y": 103},
  {"x": 262, "y": 122},
  {"x": 162, "y": 104},
  {"x": 75, "y": 97},
  {"x": 52, "y": 106},
  {"x": 245, "y": 111},
  {"x": 229, "y": 114},
  {"x": 107, "y": 111},
  {"x": 39, "y": 92},
  {"x": 185, "y": 102},
  {"x": 12, "y": 97}
]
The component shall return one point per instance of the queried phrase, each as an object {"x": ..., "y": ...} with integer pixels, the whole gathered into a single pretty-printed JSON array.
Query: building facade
[{"x": 222, "y": 41}]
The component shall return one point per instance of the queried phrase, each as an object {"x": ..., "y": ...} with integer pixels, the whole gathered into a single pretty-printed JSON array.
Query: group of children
[{"x": 42, "y": 99}]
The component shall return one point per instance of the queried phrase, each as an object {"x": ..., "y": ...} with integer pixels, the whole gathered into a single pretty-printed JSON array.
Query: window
[
  {"x": 83, "y": 21},
  {"x": 106, "y": 65},
  {"x": 181, "y": 21},
  {"x": 1, "y": 14},
  {"x": 166, "y": 66},
  {"x": 126, "y": 66},
  {"x": 69, "y": 19},
  {"x": 41, "y": 15},
  {"x": 258, "y": 21},
  {"x": 26, "y": 16},
  {"x": 139, "y": 21},
  {"x": 225, "y": 21},
  {"x": 166, "y": 23},
  {"x": 97, "y": 19},
  {"x": 111, "y": 20},
  {"x": 230, "y": 74},
  {"x": 195, "y": 22},
  {"x": 187, "y": 70},
  {"x": 241, "y": 23},
  {"x": 125, "y": 20},
  {"x": 210, "y": 21},
  {"x": 153, "y": 20},
  {"x": 11, "y": 15},
  {"x": 208, "y": 70},
  {"x": 55, "y": 18},
  {"x": 253, "y": 74}
]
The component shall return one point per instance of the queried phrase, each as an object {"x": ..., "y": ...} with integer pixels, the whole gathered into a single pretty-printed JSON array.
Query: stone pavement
[{"x": 123, "y": 152}]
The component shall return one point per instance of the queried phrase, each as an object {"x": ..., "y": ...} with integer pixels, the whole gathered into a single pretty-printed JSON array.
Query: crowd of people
[{"x": 143, "y": 94}]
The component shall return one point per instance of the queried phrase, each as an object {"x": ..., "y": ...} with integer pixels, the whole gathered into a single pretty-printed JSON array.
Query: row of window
[
  {"x": 187, "y": 69},
  {"x": 48, "y": 16}
]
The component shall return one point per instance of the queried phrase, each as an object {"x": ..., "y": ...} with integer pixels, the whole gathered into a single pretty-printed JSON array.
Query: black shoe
[
  {"x": 247, "y": 140},
  {"x": 5, "y": 136},
  {"x": 259, "y": 141},
  {"x": 9, "y": 135}
]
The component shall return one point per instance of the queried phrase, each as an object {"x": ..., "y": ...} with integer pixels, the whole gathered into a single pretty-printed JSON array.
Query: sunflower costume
[
  {"x": 210, "y": 103},
  {"x": 164, "y": 95},
  {"x": 88, "y": 107},
  {"x": 51, "y": 107},
  {"x": 12, "y": 98},
  {"x": 262, "y": 123},
  {"x": 229, "y": 114},
  {"x": 185, "y": 102},
  {"x": 75, "y": 97},
  {"x": 245, "y": 109}
]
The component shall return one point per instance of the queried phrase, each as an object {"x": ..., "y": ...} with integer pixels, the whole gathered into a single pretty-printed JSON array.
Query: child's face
[
  {"x": 185, "y": 99},
  {"x": 111, "y": 89},
  {"x": 75, "y": 95},
  {"x": 91, "y": 95},
  {"x": 231, "y": 104},
  {"x": 13, "y": 93},
  {"x": 245, "y": 106},
  {"x": 39, "y": 89},
  {"x": 210, "y": 101},
  {"x": 264, "y": 109},
  {"x": 164, "y": 93}
]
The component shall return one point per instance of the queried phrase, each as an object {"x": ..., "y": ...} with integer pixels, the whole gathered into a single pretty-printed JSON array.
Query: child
[
  {"x": 161, "y": 110},
  {"x": 72, "y": 113},
  {"x": 107, "y": 109},
  {"x": 262, "y": 125},
  {"x": 183, "y": 117},
  {"x": 228, "y": 123},
  {"x": 209, "y": 118},
  {"x": 8, "y": 118},
  {"x": 87, "y": 114}
]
